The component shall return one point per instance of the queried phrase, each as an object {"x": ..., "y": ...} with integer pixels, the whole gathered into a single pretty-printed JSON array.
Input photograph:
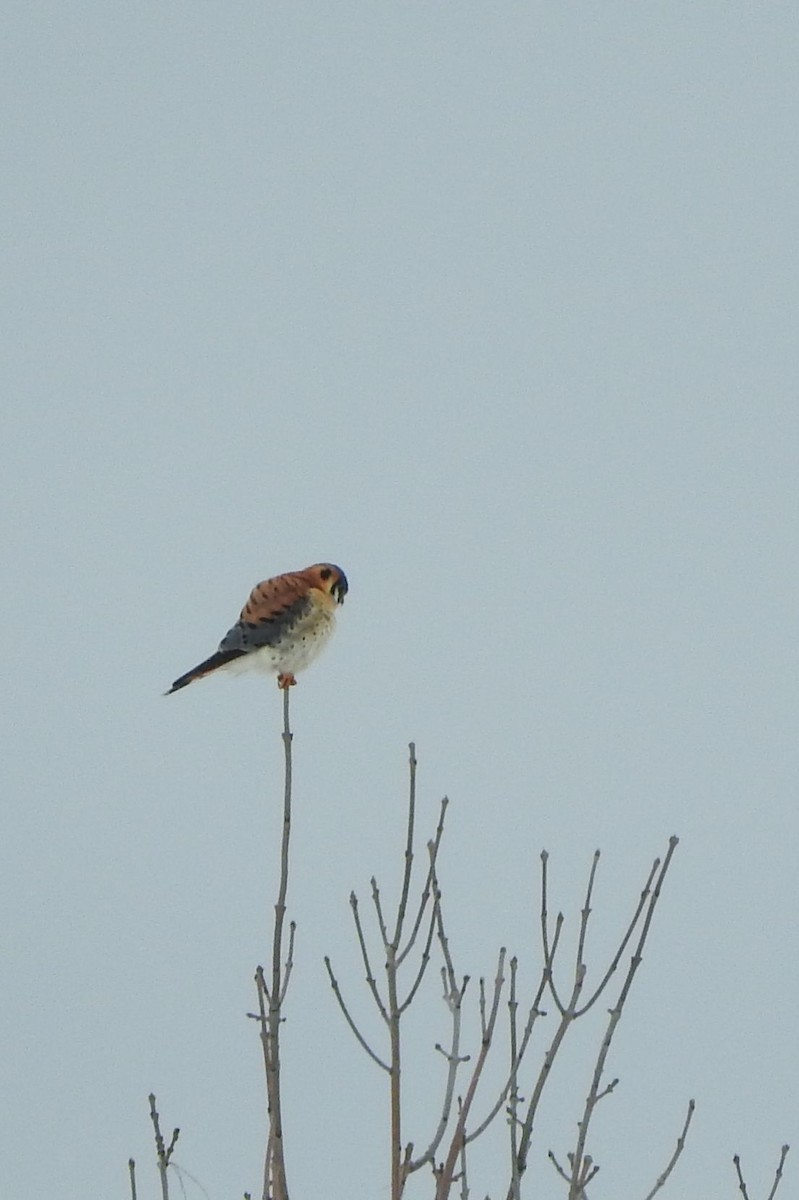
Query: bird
[{"x": 282, "y": 628}]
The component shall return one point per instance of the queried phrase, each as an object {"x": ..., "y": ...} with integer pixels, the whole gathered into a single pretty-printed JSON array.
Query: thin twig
[
  {"x": 443, "y": 942},
  {"x": 132, "y": 1174},
  {"x": 570, "y": 1011},
  {"x": 549, "y": 951},
  {"x": 406, "y": 878},
  {"x": 463, "y": 1175},
  {"x": 586, "y": 909},
  {"x": 359, "y": 1036},
  {"x": 526, "y": 1127},
  {"x": 446, "y": 1175},
  {"x": 736, "y": 1159},
  {"x": 275, "y": 1166},
  {"x": 642, "y": 899},
  {"x": 163, "y": 1153},
  {"x": 289, "y": 962},
  {"x": 387, "y": 999},
  {"x": 563, "y": 1174},
  {"x": 424, "y": 898},
  {"x": 381, "y": 921},
  {"x": 512, "y": 1087},
  {"x": 434, "y": 917},
  {"x": 594, "y": 1094},
  {"x": 263, "y": 997},
  {"x": 661, "y": 1179},
  {"x": 777, "y": 1175},
  {"x": 517, "y": 1054},
  {"x": 370, "y": 979},
  {"x": 453, "y": 998}
]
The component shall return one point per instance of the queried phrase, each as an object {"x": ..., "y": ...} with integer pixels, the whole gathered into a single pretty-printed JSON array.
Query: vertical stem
[
  {"x": 397, "y": 1180},
  {"x": 276, "y": 1166}
]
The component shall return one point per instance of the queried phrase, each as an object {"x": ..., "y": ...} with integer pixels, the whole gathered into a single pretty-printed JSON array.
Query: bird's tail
[{"x": 220, "y": 659}]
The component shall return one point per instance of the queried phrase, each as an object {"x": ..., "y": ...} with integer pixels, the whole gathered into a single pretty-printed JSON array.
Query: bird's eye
[{"x": 325, "y": 573}]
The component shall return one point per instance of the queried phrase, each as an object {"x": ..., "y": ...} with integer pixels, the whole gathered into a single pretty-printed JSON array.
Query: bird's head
[{"x": 331, "y": 579}]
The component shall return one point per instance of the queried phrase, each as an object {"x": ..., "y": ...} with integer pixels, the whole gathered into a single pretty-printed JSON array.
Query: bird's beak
[{"x": 340, "y": 591}]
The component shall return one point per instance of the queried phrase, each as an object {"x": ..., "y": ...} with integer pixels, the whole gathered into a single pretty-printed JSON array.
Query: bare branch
[
  {"x": 642, "y": 899},
  {"x": 526, "y": 1127},
  {"x": 132, "y": 1174},
  {"x": 563, "y": 1174},
  {"x": 579, "y": 1157},
  {"x": 424, "y": 960},
  {"x": 432, "y": 847},
  {"x": 512, "y": 1089},
  {"x": 777, "y": 1175},
  {"x": 445, "y": 1178},
  {"x": 463, "y": 1173},
  {"x": 606, "y": 1090},
  {"x": 569, "y": 1012},
  {"x": 389, "y": 1005},
  {"x": 379, "y": 910},
  {"x": 289, "y": 961},
  {"x": 661, "y": 1179},
  {"x": 736, "y": 1159},
  {"x": 359, "y": 1036},
  {"x": 163, "y": 1153},
  {"x": 443, "y": 942},
  {"x": 585, "y": 912},
  {"x": 549, "y": 951},
  {"x": 517, "y": 1052},
  {"x": 370, "y": 979},
  {"x": 275, "y": 1184},
  {"x": 453, "y": 998},
  {"x": 406, "y": 879}
]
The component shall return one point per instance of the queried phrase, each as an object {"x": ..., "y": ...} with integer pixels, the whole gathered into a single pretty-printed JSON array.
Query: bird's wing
[{"x": 274, "y": 607}]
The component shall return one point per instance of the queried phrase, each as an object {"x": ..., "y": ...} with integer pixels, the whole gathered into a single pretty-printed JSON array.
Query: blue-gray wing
[{"x": 264, "y": 624}]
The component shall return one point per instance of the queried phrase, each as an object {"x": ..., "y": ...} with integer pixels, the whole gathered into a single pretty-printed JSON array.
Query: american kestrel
[{"x": 283, "y": 626}]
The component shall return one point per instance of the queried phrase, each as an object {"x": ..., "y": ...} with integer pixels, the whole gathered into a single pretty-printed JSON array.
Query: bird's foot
[{"x": 286, "y": 680}]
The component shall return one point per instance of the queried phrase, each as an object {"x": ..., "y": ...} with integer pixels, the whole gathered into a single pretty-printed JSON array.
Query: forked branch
[{"x": 777, "y": 1175}]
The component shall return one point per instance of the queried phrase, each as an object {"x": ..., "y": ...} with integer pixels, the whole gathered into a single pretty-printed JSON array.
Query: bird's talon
[{"x": 286, "y": 680}]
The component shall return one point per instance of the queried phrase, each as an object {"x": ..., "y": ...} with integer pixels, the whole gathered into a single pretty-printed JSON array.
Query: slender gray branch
[
  {"x": 433, "y": 847},
  {"x": 642, "y": 899},
  {"x": 585, "y": 912},
  {"x": 737, "y": 1161},
  {"x": 379, "y": 910},
  {"x": 595, "y": 1092},
  {"x": 549, "y": 951},
  {"x": 528, "y": 1123},
  {"x": 563, "y": 1174},
  {"x": 678, "y": 1149},
  {"x": 463, "y": 1176},
  {"x": 289, "y": 962},
  {"x": 359, "y": 1036},
  {"x": 777, "y": 1175},
  {"x": 370, "y": 979},
  {"x": 424, "y": 960},
  {"x": 517, "y": 1054},
  {"x": 275, "y": 1183},
  {"x": 163, "y": 1153},
  {"x": 406, "y": 878},
  {"x": 446, "y": 1175},
  {"x": 453, "y": 998}
]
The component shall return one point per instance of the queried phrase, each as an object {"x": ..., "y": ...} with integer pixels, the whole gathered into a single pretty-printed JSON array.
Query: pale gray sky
[{"x": 496, "y": 306}]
